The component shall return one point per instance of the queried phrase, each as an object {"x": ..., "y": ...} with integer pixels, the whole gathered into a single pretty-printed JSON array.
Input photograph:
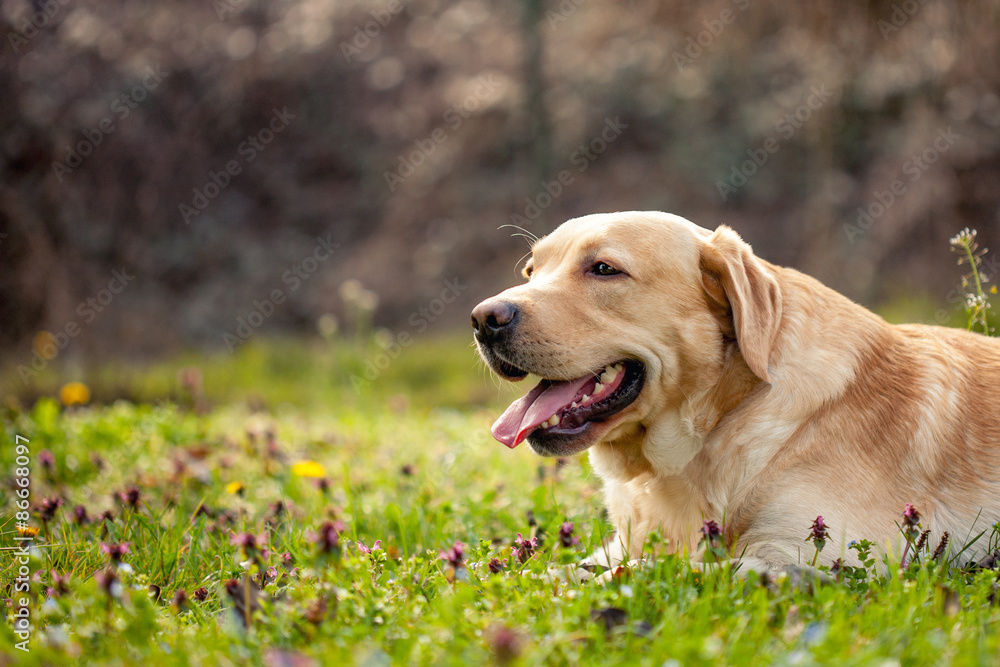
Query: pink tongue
[{"x": 535, "y": 407}]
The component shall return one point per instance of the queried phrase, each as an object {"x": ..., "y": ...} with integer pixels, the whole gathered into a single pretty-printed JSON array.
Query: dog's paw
[
  {"x": 797, "y": 577},
  {"x": 588, "y": 571},
  {"x": 620, "y": 573},
  {"x": 571, "y": 574}
]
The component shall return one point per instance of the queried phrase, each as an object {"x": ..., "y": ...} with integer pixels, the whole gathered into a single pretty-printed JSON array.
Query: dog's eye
[
  {"x": 603, "y": 269},
  {"x": 528, "y": 270}
]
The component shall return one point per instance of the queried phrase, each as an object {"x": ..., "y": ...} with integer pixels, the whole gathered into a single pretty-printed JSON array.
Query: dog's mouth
[
  {"x": 562, "y": 410},
  {"x": 505, "y": 369}
]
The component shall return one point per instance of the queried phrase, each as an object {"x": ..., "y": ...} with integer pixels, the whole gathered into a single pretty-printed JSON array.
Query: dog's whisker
[
  {"x": 518, "y": 262},
  {"x": 530, "y": 237}
]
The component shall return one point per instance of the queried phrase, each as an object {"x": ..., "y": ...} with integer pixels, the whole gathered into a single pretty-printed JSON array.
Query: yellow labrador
[{"x": 709, "y": 384}]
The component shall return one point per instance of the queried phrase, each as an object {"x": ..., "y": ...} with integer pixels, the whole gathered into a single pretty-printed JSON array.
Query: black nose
[{"x": 492, "y": 318}]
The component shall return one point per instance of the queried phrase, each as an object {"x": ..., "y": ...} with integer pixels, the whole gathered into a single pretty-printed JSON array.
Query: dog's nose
[{"x": 490, "y": 318}]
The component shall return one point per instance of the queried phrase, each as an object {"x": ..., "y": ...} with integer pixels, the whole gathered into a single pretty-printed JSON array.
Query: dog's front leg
[
  {"x": 609, "y": 555},
  {"x": 601, "y": 564}
]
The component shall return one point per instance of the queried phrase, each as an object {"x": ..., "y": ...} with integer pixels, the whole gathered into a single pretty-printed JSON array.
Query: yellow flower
[
  {"x": 993, "y": 290},
  {"x": 27, "y": 531},
  {"x": 74, "y": 393},
  {"x": 309, "y": 469},
  {"x": 234, "y": 487}
]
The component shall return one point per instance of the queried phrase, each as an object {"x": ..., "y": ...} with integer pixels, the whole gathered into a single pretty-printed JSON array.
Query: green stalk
[{"x": 975, "y": 269}]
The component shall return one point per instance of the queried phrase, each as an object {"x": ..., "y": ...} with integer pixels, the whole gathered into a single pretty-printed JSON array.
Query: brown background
[{"x": 533, "y": 82}]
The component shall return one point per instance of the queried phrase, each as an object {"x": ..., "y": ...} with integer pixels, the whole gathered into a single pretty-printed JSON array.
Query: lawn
[{"x": 278, "y": 507}]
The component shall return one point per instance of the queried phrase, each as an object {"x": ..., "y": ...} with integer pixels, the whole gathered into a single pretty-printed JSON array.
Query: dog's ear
[{"x": 743, "y": 296}]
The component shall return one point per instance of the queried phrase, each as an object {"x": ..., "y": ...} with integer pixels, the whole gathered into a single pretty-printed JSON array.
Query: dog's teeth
[
  {"x": 598, "y": 388},
  {"x": 584, "y": 400},
  {"x": 552, "y": 421},
  {"x": 572, "y": 405},
  {"x": 607, "y": 377}
]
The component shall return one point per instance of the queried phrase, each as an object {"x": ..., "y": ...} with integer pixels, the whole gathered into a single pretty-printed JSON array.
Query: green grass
[{"x": 408, "y": 461}]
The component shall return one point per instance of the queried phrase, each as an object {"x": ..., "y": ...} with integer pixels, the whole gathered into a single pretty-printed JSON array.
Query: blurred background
[{"x": 180, "y": 176}]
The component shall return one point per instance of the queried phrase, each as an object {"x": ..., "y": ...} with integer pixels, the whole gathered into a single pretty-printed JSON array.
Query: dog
[{"x": 708, "y": 384}]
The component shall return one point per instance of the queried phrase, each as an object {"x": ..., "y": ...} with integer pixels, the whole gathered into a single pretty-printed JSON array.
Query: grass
[{"x": 186, "y": 468}]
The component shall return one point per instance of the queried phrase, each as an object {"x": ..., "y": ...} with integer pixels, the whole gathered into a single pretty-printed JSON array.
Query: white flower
[{"x": 964, "y": 238}]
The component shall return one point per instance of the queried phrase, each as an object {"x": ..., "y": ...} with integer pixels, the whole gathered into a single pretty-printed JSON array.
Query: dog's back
[{"x": 864, "y": 417}]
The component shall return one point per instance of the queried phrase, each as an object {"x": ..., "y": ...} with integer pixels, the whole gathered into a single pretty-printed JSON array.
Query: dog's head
[{"x": 624, "y": 316}]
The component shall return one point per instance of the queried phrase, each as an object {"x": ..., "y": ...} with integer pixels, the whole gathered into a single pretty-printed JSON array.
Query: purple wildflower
[
  {"x": 711, "y": 531},
  {"x": 911, "y": 531},
  {"x": 455, "y": 555},
  {"x": 505, "y": 643},
  {"x": 377, "y": 546},
  {"x": 818, "y": 535},
  {"x": 48, "y": 507},
  {"x": 911, "y": 522},
  {"x": 130, "y": 497},
  {"x": 80, "y": 514},
  {"x": 114, "y": 551},
  {"x": 233, "y": 589},
  {"x": 328, "y": 537},
  {"x": 249, "y": 542},
  {"x": 712, "y": 537},
  {"x": 566, "y": 537},
  {"x": 60, "y": 584},
  {"x": 46, "y": 459},
  {"x": 524, "y": 549},
  {"x": 278, "y": 509},
  {"x": 108, "y": 580}
]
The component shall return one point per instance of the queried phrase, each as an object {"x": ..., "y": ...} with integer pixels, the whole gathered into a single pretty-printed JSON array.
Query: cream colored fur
[{"x": 769, "y": 398}]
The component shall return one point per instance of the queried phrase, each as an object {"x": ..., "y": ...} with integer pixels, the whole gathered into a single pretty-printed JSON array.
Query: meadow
[{"x": 276, "y": 506}]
